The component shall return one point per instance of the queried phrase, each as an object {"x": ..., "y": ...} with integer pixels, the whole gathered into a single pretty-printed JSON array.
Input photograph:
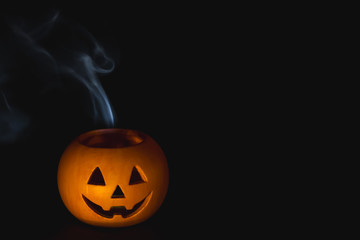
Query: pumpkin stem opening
[{"x": 111, "y": 138}]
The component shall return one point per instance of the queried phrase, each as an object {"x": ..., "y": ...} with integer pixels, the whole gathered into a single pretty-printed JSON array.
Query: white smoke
[
  {"x": 86, "y": 72},
  {"x": 12, "y": 121},
  {"x": 81, "y": 63}
]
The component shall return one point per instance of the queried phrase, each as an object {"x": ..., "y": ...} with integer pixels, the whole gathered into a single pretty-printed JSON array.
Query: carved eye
[
  {"x": 96, "y": 178},
  {"x": 137, "y": 176}
]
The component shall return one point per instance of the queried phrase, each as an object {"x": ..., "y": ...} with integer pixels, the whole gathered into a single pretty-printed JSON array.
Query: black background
[
  {"x": 168, "y": 82},
  {"x": 220, "y": 88}
]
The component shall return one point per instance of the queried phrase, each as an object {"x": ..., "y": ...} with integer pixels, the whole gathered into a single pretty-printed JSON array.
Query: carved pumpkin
[{"x": 113, "y": 177}]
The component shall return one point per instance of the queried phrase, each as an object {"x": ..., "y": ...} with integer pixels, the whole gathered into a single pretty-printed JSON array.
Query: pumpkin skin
[{"x": 113, "y": 177}]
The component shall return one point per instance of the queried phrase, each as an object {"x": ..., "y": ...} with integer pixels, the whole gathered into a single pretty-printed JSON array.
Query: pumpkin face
[{"x": 113, "y": 177}]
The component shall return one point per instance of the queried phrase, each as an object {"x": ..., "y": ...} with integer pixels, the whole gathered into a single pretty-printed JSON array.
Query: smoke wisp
[{"x": 53, "y": 50}]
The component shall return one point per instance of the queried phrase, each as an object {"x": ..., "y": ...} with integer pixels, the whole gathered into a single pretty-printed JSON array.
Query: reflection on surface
[{"x": 78, "y": 230}]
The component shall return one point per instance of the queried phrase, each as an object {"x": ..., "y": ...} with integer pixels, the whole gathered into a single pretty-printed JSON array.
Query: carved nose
[{"x": 118, "y": 193}]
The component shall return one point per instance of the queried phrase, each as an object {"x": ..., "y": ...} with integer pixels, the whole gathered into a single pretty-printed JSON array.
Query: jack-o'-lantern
[{"x": 113, "y": 177}]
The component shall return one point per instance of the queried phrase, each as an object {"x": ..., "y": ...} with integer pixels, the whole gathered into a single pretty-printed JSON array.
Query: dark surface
[{"x": 162, "y": 85}]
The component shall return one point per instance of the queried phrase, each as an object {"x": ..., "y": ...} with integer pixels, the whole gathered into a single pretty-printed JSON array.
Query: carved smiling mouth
[{"x": 115, "y": 210}]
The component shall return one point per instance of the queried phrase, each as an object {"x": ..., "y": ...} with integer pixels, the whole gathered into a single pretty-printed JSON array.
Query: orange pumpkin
[{"x": 113, "y": 177}]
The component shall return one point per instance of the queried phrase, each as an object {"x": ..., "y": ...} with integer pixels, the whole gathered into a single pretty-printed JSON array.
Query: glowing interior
[{"x": 111, "y": 138}]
